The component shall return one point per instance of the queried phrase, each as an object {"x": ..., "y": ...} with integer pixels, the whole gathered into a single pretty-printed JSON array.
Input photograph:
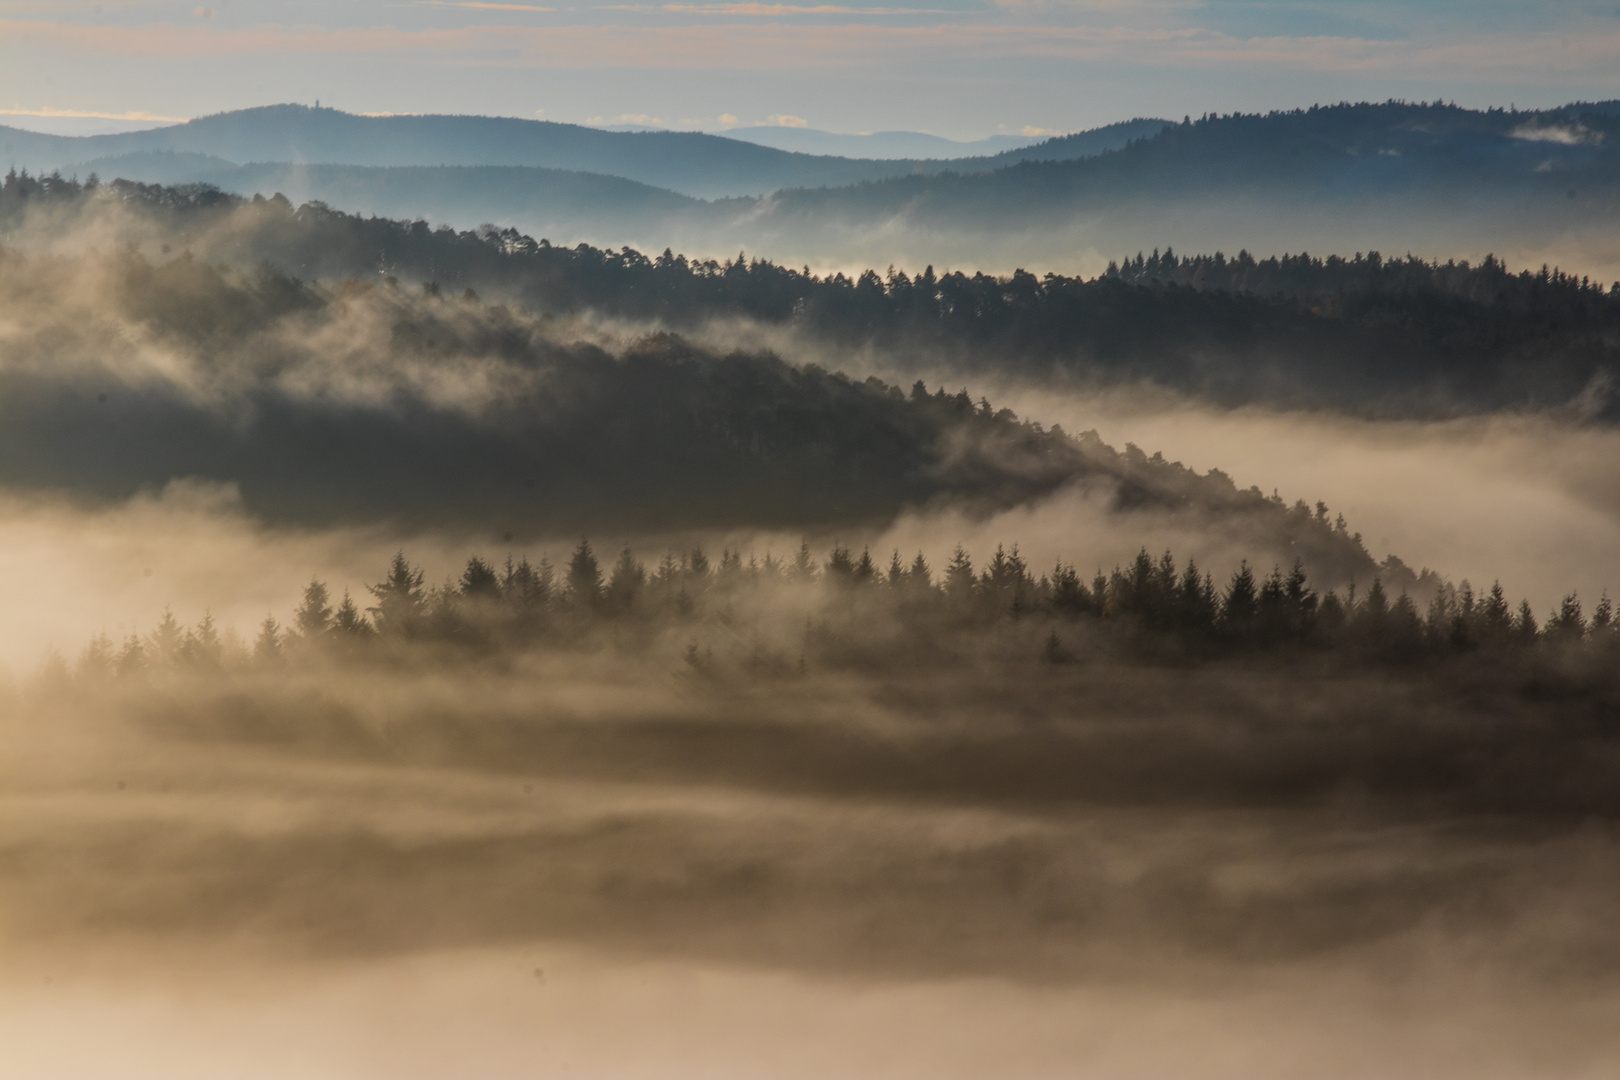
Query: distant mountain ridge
[
  {"x": 571, "y": 203},
  {"x": 690, "y": 163},
  {"x": 1394, "y": 177},
  {"x": 891, "y": 145},
  {"x": 995, "y": 151}
]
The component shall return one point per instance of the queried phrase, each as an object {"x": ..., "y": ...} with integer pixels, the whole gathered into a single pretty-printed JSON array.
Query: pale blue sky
[{"x": 963, "y": 68}]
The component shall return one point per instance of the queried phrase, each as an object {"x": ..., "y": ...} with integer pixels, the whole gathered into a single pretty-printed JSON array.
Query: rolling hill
[
  {"x": 1434, "y": 180},
  {"x": 692, "y": 163},
  {"x": 996, "y": 151}
]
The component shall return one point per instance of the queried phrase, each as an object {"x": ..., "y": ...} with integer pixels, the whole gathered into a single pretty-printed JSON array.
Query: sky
[{"x": 959, "y": 68}]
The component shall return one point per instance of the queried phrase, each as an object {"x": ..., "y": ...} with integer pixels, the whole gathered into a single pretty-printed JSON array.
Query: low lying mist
[
  {"x": 1526, "y": 497},
  {"x": 631, "y": 852},
  {"x": 1529, "y": 499},
  {"x": 1042, "y": 229}
]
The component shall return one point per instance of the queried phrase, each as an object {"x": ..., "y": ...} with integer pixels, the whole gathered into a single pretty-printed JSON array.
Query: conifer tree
[
  {"x": 166, "y": 640},
  {"x": 584, "y": 577},
  {"x": 1240, "y": 604},
  {"x": 959, "y": 581},
  {"x": 1495, "y": 618},
  {"x": 267, "y": 646},
  {"x": 626, "y": 581},
  {"x": 1404, "y": 637},
  {"x": 1330, "y": 615},
  {"x": 1437, "y": 625},
  {"x": 201, "y": 647},
  {"x": 1376, "y": 604},
  {"x": 1271, "y": 609},
  {"x": 1069, "y": 597},
  {"x": 919, "y": 576},
  {"x": 1525, "y": 625},
  {"x": 348, "y": 621},
  {"x": 1163, "y": 591},
  {"x": 314, "y": 616},
  {"x": 526, "y": 588},
  {"x": 99, "y": 656},
  {"x": 1602, "y": 616},
  {"x": 1301, "y": 600},
  {"x": 400, "y": 600},
  {"x": 133, "y": 656},
  {"x": 666, "y": 579},
  {"x": 804, "y": 567},
  {"x": 1136, "y": 587},
  {"x": 1197, "y": 606},
  {"x": 1568, "y": 623},
  {"x": 479, "y": 582},
  {"x": 840, "y": 567}
]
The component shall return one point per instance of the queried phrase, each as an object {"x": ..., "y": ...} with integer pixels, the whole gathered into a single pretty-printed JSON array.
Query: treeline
[
  {"x": 857, "y": 607},
  {"x": 1332, "y": 285},
  {"x": 1363, "y": 333}
]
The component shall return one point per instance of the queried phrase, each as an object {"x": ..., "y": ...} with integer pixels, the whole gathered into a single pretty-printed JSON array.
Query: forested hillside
[
  {"x": 1338, "y": 154},
  {"x": 1360, "y": 333},
  {"x": 444, "y": 412}
]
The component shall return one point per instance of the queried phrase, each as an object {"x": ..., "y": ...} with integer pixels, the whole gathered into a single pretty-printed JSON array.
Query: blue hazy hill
[{"x": 692, "y": 163}]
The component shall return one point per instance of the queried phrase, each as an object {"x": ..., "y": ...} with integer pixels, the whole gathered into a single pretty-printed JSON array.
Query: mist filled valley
[{"x": 435, "y": 650}]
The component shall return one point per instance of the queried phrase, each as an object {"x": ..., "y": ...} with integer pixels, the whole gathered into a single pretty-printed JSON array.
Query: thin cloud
[
  {"x": 789, "y": 9},
  {"x": 644, "y": 119},
  {"x": 82, "y": 114},
  {"x": 1562, "y": 134},
  {"x": 1101, "y": 5},
  {"x": 481, "y": 6},
  {"x": 780, "y": 46}
]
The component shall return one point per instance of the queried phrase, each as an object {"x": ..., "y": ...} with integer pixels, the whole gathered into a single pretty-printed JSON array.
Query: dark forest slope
[{"x": 361, "y": 403}]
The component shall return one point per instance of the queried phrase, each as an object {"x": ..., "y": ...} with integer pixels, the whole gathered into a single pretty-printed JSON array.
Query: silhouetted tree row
[
  {"x": 1151, "y": 607},
  {"x": 1335, "y": 286}
]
